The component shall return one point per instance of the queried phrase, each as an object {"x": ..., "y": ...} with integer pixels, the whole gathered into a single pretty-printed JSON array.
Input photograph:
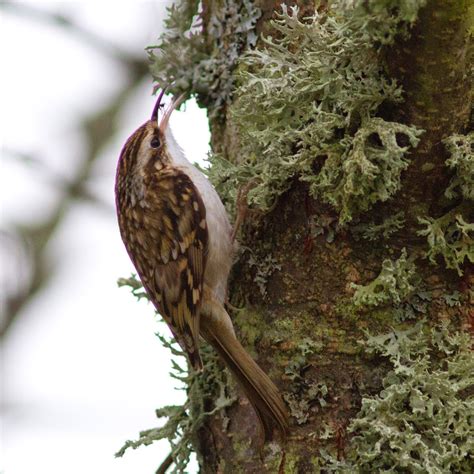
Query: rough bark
[
  {"x": 303, "y": 330},
  {"x": 433, "y": 66}
]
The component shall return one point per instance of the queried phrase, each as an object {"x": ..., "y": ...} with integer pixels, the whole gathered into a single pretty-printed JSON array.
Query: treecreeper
[{"x": 178, "y": 235}]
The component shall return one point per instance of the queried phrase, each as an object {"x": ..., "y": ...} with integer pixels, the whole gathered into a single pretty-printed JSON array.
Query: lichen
[
  {"x": 323, "y": 224},
  {"x": 300, "y": 399},
  {"x": 188, "y": 62},
  {"x": 183, "y": 421},
  {"x": 414, "y": 307},
  {"x": 135, "y": 285},
  {"x": 368, "y": 171},
  {"x": 461, "y": 161},
  {"x": 372, "y": 231},
  {"x": 451, "y": 237},
  {"x": 300, "y": 394},
  {"x": 453, "y": 299},
  {"x": 422, "y": 420},
  {"x": 264, "y": 269},
  {"x": 383, "y": 20},
  {"x": 394, "y": 284},
  {"x": 306, "y": 109}
]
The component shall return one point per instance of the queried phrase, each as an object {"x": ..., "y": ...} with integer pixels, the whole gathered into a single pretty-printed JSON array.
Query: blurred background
[{"x": 81, "y": 368}]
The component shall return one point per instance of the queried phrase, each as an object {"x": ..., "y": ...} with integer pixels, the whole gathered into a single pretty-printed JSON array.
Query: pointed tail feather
[{"x": 260, "y": 390}]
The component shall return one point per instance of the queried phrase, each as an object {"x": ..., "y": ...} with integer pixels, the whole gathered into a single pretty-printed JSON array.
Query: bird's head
[
  {"x": 147, "y": 146},
  {"x": 147, "y": 150}
]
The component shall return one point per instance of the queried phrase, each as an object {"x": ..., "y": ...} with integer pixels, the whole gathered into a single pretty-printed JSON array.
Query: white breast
[{"x": 221, "y": 248}]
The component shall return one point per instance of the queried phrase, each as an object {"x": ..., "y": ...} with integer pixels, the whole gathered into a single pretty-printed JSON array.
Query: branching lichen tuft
[
  {"x": 451, "y": 237},
  {"x": 461, "y": 148},
  {"x": 135, "y": 285},
  {"x": 189, "y": 63},
  {"x": 306, "y": 109},
  {"x": 368, "y": 171},
  {"x": 422, "y": 420},
  {"x": 183, "y": 421},
  {"x": 414, "y": 307},
  {"x": 394, "y": 284},
  {"x": 382, "y": 20},
  {"x": 264, "y": 268},
  {"x": 301, "y": 394},
  {"x": 372, "y": 231}
]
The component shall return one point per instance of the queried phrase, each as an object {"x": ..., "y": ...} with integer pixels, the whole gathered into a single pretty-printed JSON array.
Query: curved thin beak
[
  {"x": 154, "y": 114},
  {"x": 166, "y": 116}
]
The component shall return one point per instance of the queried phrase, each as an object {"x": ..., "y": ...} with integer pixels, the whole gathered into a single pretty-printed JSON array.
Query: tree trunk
[{"x": 294, "y": 290}]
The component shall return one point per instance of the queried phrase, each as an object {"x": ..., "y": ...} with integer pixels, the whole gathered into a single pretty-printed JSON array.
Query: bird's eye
[{"x": 155, "y": 142}]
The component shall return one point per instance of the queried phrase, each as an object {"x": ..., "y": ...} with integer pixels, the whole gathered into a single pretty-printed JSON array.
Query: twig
[{"x": 165, "y": 464}]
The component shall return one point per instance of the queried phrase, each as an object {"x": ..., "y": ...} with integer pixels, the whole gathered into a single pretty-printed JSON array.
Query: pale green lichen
[
  {"x": 264, "y": 269},
  {"x": 369, "y": 170},
  {"x": 180, "y": 49},
  {"x": 188, "y": 62},
  {"x": 301, "y": 395},
  {"x": 323, "y": 224},
  {"x": 451, "y": 237},
  {"x": 394, "y": 284},
  {"x": 415, "y": 306},
  {"x": 183, "y": 421},
  {"x": 423, "y": 419},
  {"x": 306, "y": 109},
  {"x": 453, "y": 299},
  {"x": 461, "y": 148},
  {"x": 383, "y": 20},
  {"x": 372, "y": 231},
  {"x": 135, "y": 285},
  {"x": 301, "y": 398}
]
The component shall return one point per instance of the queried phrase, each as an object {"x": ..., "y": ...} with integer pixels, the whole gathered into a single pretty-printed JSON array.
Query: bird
[{"x": 178, "y": 235}]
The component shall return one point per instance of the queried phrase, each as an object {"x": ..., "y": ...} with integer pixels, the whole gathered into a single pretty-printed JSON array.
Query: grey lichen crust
[{"x": 307, "y": 107}]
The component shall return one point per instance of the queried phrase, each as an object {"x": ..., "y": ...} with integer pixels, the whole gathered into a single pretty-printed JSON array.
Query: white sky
[{"x": 82, "y": 370}]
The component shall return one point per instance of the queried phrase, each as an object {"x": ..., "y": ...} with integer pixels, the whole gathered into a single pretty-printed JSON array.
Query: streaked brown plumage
[{"x": 177, "y": 233}]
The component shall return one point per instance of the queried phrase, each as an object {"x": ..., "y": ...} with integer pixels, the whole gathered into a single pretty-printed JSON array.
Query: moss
[
  {"x": 291, "y": 462},
  {"x": 451, "y": 237},
  {"x": 240, "y": 447},
  {"x": 461, "y": 161},
  {"x": 183, "y": 421},
  {"x": 422, "y": 420},
  {"x": 307, "y": 101},
  {"x": 293, "y": 323},
  {"x": 251, "y": 325},
  {"x": 190, "y": 63},
  {"x": 274, "y": 454},
  {"x": 394, "y": 284}
]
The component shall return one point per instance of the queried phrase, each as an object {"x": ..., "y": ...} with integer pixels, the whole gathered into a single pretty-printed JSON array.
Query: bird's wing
[{"x": 173, "y": 236}]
